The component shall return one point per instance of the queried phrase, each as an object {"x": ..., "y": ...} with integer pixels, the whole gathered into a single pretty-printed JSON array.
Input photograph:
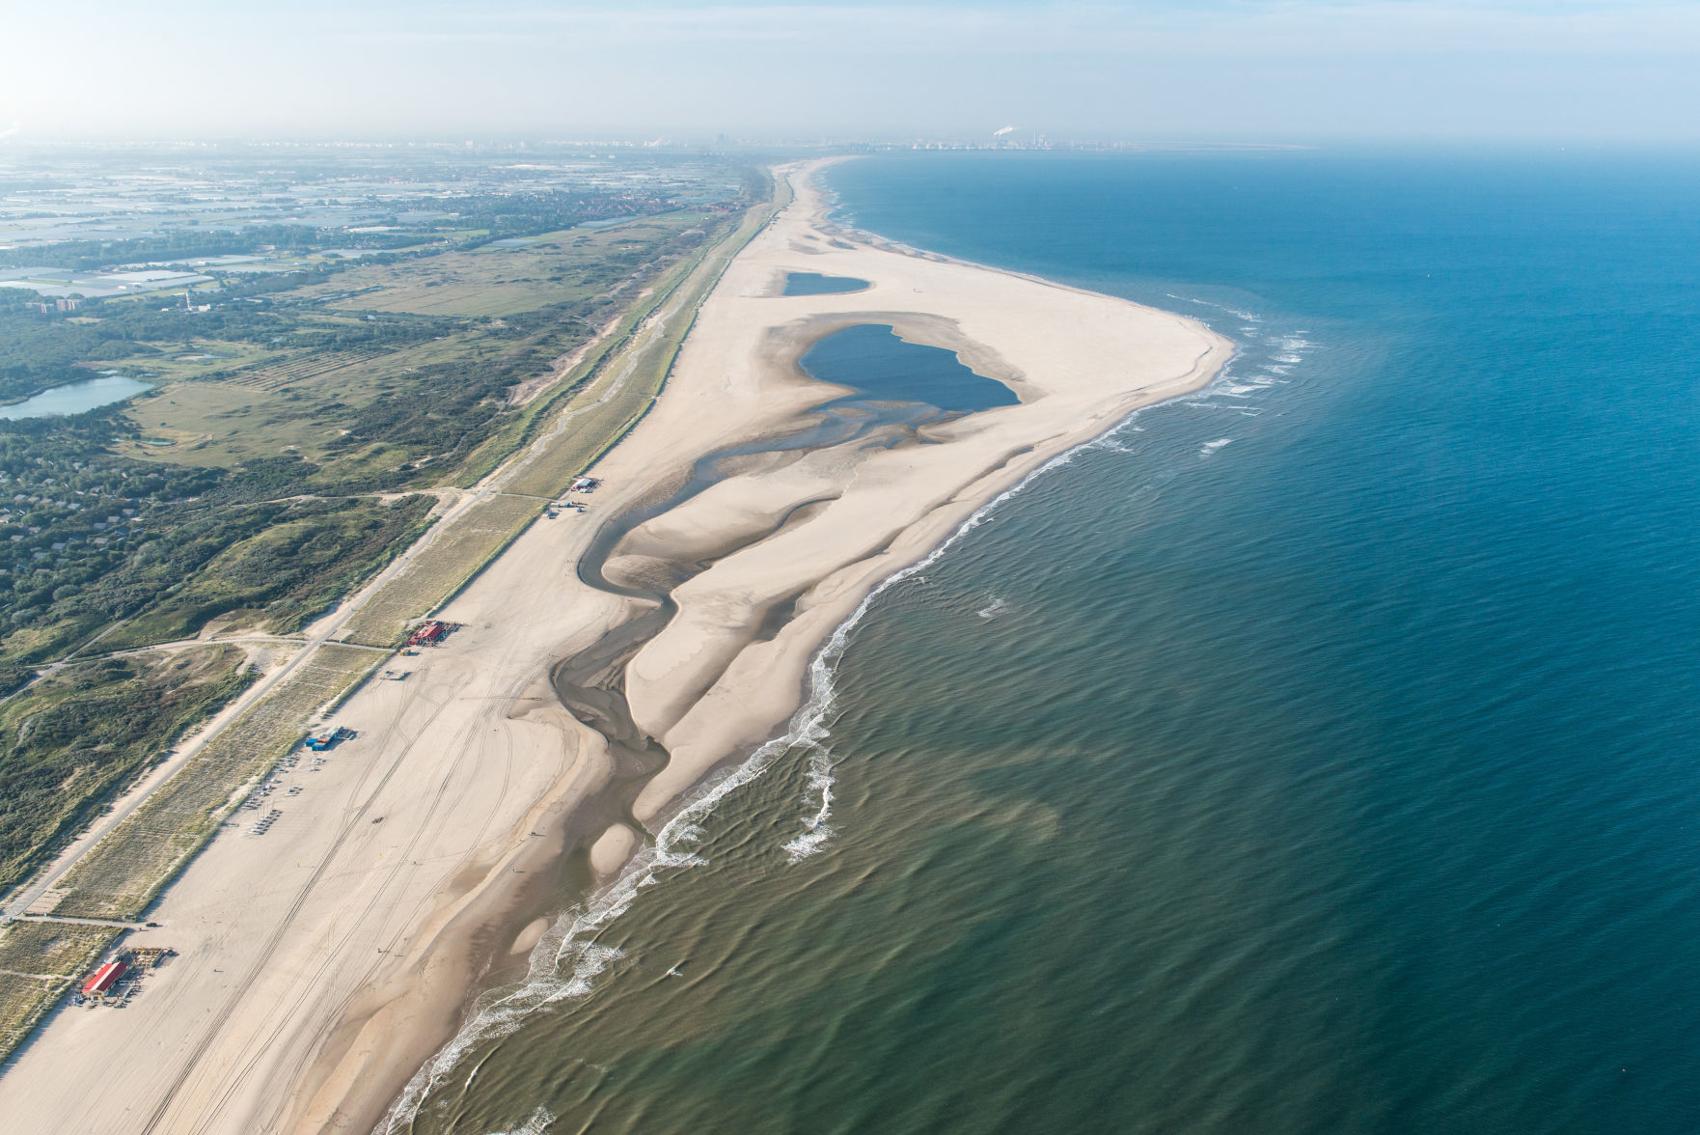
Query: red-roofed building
[
  {"x": 103, "y": 979},
  {"x": 428, "y": 635}
]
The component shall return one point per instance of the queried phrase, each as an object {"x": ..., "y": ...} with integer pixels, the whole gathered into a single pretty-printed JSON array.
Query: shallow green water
[{"x": 1316, "y": 754}]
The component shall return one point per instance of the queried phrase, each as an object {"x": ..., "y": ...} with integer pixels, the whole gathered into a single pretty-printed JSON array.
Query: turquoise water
[
  {"x": 76, "y": 398},
  {"x": 819, "y": 284},
  {"x": 1314, "y": 755},
  {"x": 871, "y": 358}
]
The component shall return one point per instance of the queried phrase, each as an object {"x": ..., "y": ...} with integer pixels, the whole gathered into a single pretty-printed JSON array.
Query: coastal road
[{"x": 326, "y": 630}]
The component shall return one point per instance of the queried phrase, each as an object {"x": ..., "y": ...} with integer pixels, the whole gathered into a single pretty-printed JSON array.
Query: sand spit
[{"x": 322, "y": 963}]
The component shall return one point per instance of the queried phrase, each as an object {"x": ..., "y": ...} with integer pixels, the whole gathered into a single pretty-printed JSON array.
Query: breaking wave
[
  {"x": 1245, "y": 316},
  {"x": 571, "y": 945},
  {"x": 571, "y": 942},
  {"x": 539, "y": 1123},
  {"x": 809, "y": 726}
]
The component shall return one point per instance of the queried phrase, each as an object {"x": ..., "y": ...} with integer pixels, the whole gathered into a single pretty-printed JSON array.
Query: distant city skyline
[{"x": 1254, "y": 71}]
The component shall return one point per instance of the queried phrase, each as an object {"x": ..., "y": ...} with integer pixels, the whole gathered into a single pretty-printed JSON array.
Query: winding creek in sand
[{"x": 615, "y": 672}]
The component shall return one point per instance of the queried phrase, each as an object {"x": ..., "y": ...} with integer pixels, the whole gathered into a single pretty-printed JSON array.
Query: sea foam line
[
  {"x": 809, "y": 726},
  {"x": 572, "y": 938},
  {"x": 573, "y": 935},
  {"x": 539, "y": 1123},
  {"x": 1249, "y": 317}
]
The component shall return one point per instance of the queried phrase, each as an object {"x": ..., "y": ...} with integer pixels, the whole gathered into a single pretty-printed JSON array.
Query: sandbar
[{"x": 319, "y": 966}]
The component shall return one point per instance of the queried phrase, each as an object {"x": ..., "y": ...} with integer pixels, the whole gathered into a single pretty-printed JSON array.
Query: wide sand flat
[{"x": 320, "y": 964}]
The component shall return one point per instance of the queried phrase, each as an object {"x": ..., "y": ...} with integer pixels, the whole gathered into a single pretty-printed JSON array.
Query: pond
[
  {"x": 77, "y": 398},
  {"x": 816, "y": 284},
  {"x": 872, "y": 359}
]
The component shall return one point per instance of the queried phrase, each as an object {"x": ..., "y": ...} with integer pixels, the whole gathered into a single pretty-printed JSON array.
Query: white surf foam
[
  {"x": 1247, "y": 316},
  {"x": 1211, "y": 447},
  {"x": 539, "y": 1123},
  {"x": 1112, "y": 442},
  {"x": 816, "y": 831},
  {"x": 572, "y": 939},
  {"x": 808, "y": 725}
]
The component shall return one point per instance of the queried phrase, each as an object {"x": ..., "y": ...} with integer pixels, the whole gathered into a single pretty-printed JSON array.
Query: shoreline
[
  {"x": 391, "y": 951},
  {"x": 499, "y": 1003}
]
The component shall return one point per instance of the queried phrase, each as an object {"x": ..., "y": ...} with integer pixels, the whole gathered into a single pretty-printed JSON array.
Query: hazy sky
[{"x": 1247, "y": 70}]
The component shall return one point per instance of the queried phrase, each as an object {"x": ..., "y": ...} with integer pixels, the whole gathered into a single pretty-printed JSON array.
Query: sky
[{"x": 1258, "y": 71}]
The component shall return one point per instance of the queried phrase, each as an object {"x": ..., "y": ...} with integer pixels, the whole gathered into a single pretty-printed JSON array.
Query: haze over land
[
  {"x": 1219, "y": 70},
  {"x": 562, "y": 569}
]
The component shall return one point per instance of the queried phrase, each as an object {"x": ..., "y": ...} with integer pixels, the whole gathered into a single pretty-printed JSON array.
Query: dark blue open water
[
  {"x": 872, "y": 358},
  {"x": 1317, "y": 755}
]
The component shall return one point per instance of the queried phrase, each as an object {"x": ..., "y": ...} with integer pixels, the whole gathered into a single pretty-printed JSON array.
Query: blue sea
[{"x": 1315, "y": 754}]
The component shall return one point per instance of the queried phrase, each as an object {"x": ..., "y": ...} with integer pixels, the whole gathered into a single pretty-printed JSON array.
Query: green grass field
[
  {"x": 507, "y": 279},
  {"x": 222, "y": 424},
  {"x": 196, "y": 359},
  {"x": 497, "y": 309}
]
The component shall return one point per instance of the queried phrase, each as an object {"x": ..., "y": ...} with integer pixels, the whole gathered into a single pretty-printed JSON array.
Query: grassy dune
[{"x": 562, "y": 434}]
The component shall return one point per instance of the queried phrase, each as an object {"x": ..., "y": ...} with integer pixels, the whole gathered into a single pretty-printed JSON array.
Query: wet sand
[{"x": 608, "y": 663}]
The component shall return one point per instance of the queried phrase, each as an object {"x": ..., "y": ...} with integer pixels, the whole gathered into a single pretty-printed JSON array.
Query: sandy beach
[{"x": 319, "y": 966}]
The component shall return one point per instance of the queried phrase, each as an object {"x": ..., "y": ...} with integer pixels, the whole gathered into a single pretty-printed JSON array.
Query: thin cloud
[
  {"x": 1283, "y": 70},
  {"x": 1227, "y": 26}
]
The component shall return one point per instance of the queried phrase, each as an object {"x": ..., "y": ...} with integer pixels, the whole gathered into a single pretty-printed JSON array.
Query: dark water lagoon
[
  {"x": 817, "y": 284},
  {"x": 1314, "y": 755},
  {"x": 879, "y": 365}
]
